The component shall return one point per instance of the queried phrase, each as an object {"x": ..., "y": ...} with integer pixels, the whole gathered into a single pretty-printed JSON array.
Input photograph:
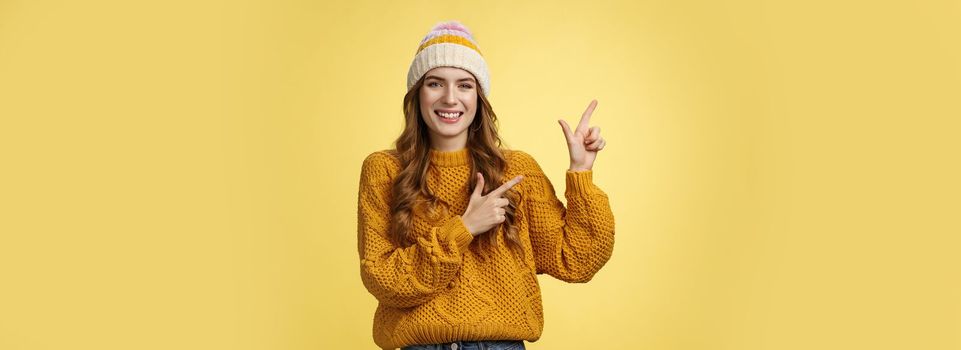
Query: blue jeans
[{"x": 472, "y": 345}]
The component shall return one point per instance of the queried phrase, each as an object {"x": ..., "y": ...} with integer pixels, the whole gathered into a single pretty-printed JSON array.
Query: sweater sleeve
[
  {"x": 402, "y": 277},
  {"x": 573, "y": 243}
]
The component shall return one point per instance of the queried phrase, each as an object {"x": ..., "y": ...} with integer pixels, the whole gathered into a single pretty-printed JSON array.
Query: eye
[
  {"x": 468, "y": 86},
  {"x": 431, "y": 84}
]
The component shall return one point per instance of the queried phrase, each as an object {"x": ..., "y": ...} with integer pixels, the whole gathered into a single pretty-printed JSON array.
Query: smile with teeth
[{"x": 450, "y": 116}]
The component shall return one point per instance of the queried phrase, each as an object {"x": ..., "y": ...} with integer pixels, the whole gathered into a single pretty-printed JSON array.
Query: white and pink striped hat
[{"x": 449, "y": 44}]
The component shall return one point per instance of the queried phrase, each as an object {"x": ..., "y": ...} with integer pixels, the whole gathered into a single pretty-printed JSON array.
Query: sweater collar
[{"x": 449, "y": 158}]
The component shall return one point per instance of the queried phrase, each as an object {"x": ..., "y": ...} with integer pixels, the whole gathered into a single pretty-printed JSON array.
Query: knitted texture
[
  {"x": 439, "y": 289},
  {"x": 449, "y": 44}
]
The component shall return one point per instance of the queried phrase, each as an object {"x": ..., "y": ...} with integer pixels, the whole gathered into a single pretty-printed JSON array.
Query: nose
[{"x": 449, "y": 96}]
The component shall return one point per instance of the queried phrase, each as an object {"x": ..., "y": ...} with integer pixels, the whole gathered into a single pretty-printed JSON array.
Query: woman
[{"x": 453, "y": 229}]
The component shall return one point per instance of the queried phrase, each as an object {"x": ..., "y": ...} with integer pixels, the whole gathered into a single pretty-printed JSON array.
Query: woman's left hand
[{"x": 584, "y": 142}]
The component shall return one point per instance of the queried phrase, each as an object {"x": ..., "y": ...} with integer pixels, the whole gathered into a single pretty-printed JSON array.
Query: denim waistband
[{"x": 472, "y": 345}]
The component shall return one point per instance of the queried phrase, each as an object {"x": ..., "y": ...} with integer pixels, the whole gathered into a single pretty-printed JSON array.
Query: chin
[{"x": 452, "y": 134}]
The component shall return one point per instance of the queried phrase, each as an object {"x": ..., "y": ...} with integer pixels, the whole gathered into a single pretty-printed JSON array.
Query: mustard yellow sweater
[{"x": 438, "y": 290}]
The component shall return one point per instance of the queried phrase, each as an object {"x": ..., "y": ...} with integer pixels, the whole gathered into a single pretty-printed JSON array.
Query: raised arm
[
  {"x": 402, "y": 276},
  {"x": 572, "y": 243}
]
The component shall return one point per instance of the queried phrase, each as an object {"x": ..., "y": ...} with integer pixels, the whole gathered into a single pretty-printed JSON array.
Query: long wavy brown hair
[{"x": 410, "y": 189}]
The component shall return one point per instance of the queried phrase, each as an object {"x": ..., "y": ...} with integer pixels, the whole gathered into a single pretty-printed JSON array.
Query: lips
[{"x": 446, "y": 119}]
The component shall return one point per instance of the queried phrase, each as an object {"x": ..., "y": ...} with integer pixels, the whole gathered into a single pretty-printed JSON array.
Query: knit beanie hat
[{"x": 449, "y": 44}]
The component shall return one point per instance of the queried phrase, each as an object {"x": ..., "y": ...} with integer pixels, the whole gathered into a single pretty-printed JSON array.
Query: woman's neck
[{"x": 448, "y": 144}]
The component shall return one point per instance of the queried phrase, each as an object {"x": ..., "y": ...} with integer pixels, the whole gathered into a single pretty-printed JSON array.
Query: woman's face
[{"x": 448, "y": 92}]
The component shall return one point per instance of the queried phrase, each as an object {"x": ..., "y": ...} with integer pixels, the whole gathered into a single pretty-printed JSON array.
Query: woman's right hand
[{"x": 486, "y": 211}]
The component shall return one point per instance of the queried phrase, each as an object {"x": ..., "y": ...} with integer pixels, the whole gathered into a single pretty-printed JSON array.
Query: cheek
[
  {"x": 425, "y": 103},
  {"x": 471, "y": 102}
]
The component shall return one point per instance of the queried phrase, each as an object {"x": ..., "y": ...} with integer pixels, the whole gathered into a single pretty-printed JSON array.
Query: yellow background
[{"x": 183, "y": 174}]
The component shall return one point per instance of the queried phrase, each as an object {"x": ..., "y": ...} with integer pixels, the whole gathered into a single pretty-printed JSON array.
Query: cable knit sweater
[{"x": 438, "y": 289}]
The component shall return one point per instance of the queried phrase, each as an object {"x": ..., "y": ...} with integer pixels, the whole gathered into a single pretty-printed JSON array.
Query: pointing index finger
[
  {"x": 586, "y": 117},
  {"x": 506, "y": 186}
]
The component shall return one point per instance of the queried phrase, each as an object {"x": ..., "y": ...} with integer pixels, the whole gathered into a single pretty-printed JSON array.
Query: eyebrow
[{"x": 441, "y": 79}]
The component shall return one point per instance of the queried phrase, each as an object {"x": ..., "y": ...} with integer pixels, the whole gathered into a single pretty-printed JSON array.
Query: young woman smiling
[{"x": 453, "y": 229}]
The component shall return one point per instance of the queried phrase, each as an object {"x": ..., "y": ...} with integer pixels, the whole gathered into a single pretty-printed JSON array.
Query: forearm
[
  {"x": 410, "y": 276},
  {"x": 578, "y": 241}
]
